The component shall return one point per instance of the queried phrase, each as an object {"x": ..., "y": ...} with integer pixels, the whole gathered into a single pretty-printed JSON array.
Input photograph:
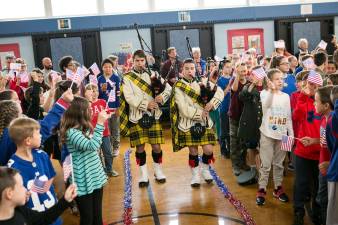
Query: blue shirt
[
  {"x": 332, "y": 144},
  {"x": 289, "y": 84},
  {"x": 114, "y": 80},
  {"x": 223, "y": 83},
  {"x": 42, "y": 168}
]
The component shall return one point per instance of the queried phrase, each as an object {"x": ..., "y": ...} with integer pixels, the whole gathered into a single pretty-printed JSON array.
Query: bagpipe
[{"x": 157, "y": 87}]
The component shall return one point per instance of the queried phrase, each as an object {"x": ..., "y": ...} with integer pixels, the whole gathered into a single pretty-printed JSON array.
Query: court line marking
[
  {"x": 184, "y": 213},
  {"x": 153, "y": 205}
]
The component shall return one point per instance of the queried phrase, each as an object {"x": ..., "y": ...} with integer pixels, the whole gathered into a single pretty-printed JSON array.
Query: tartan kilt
[
  {"x": 140, "y": 136},
  {"x": 185, "y": 138}
]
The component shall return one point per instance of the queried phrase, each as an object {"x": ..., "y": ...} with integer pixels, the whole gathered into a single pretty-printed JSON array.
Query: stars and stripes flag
[
  {"x": 287, "y": 143},
  {"x": 93, "y": 79},
  {"x": 69, "y": 74},
  {"x": 322, "y": 44},
  {"x": 315, "y": 78},
  {"x": 322, "y": 139},
  {"x": 259, "y": 73},
  {"x": 112, "y": 95},
  {"x": 67, "y": 167},
  {"x": 309, "y": 63},
  {"x": 95, "y": 69},
  {"x": 40, "y": 186}
]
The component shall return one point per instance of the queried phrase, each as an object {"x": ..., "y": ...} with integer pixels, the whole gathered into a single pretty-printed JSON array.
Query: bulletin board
[
  {"x": 242, "y": 39},
  {"x": 5, "y": 49}
]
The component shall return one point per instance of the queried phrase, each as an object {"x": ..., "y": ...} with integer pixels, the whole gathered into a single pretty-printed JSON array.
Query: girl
[
  {"x": 83, "y": 146},
  {"x": 275, "y": 123},
  {"x": 282, "y": 63},
  {"x": 97, "y": 105}
]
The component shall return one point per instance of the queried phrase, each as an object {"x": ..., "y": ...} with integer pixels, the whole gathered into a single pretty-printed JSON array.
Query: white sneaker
[
  {"x": 206, "y": 173},
  {"x": 116, "y": 152},
  {"x": 196, "y": 179},
  {"x": 159, "y": 176},
  {"x": 143, "y": 180}
]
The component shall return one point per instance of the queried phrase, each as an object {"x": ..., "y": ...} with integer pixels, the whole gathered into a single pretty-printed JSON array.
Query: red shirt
[
  {"x": 325, "y": 154},
  {"x": 295, "y": 123},
  {"x": 97, "y": 107},
  {"x": 309, "y": 126}
]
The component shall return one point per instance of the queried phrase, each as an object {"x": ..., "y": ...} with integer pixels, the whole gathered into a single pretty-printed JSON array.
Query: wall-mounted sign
[
  {"x": 306, "y": 9},
  {"x": 64, "y": 24},
  {"x": 184, "y": 17}
]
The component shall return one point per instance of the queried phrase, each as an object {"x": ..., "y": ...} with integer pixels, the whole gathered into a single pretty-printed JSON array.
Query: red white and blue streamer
[
  {"x": 233, "y": 201},
  {"x": 127, "y": 200}
]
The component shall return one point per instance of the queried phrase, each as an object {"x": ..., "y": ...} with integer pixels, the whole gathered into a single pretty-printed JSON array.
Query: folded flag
[
  {"x": 315, "y": 78},
  {"x": 95, "y": 69},
  {"x": 40, "y": 186},
  {"x": 287, "y": 143},
  {"x": 259, "y": 73},
  {"x": 67, "y": 167}
]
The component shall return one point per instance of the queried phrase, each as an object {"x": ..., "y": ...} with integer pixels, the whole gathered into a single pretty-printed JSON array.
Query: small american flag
[
  {"x": 315, "y": 78},
  {"x": 93, "y": 79},
  {"x": 95, "y": 69},
  {"x": 322, "y": 139},
  {"x": 112, "y": 95},
  {"x": 40, "y": 186},
  {"x": 287, "y": 143},
  {"x": 322, "y": 44},
  {"x": 69, "y": 74},
  {"x": 67, "y": 167},
  {"x": 259, "y": 73},
  {"x": 309, "y": 63}
]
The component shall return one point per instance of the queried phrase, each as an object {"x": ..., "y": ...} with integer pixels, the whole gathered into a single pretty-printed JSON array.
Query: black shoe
[
  {"x": 298, "y": 219},
  {"x": 143, "y": 184},
  {"x": 280, "y": 194},
  {"x": 260, "y": 197}
]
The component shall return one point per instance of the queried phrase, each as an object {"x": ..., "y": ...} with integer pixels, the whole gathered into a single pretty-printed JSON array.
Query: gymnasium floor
[{"x": 176, "y": 203}]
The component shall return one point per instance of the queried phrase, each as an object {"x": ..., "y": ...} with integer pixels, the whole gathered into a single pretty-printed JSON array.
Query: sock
[
  {"x": 157, "y": 157},
  {"x": 208, "y": 159},
  {"x": 141, "y": 158},
  {"x": 193, "y": 161}
]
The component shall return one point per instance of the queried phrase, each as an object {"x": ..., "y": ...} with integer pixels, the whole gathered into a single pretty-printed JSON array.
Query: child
[
  {"x": 34, "y": 97},
  {"x": 88, "y": 171},
  {"x": 97, "y": 105},
  {"x": 32, "y": 163},
  {"x": 275, "y": 123},
  {"x": 10, "y": 110},
  {"x": 306, "y": 153},
  {"x": 109, "y": 81},
  {"x": 332, "y": 173},
  {"x": 13, "y": 196},
  {"x": 332, "y": 79},
  {"x": 331, "y": 67},
  {"x": 223, "y": 82},
  {"x": 324, "y": 107}
]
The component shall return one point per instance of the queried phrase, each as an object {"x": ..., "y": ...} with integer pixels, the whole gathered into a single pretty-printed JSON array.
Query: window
[
  {"x": 125, "y": 6},
  {"x": 73, "y": 7},
  {"x": 22, "y": 9},
  {"x": 224, "y": 3},
  {"x": 164, "y": 5}
]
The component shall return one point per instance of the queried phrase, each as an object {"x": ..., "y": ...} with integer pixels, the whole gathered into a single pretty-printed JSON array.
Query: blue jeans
[{"x": 107, "y": 154}]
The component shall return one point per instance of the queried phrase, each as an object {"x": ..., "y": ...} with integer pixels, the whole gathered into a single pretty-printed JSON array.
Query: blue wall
[{"x": 108, "y": 22}]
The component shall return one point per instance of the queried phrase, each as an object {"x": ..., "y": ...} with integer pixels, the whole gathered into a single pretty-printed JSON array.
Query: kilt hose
[
  {"x": 185, "y": 139},
  {"x": 140, "y": 136}
]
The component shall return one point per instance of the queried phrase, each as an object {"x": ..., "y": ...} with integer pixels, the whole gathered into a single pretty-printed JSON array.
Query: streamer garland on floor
[
  {"x": 233, "y": 201},
  {"x": 127, "y": 200}
]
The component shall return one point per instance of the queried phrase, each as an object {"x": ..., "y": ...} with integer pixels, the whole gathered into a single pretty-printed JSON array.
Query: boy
[
  {"x": 332, "y": 174},
  {"x": 140, "y": 114},
  {"x": 307, "y": 152},
  {"x": 189, "y": 116},
  {"x": 110, "y": 81},
  {"x": 13, "y": 196},
  {"x": 223, "y": 82},
  {"x": 32, "y": 163}
]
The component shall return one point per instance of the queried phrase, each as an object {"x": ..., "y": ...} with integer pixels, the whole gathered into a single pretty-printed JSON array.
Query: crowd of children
[{"x": 259, "y": 105}]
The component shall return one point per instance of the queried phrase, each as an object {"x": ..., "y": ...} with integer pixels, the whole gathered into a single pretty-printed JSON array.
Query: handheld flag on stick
[
  {"x": 40, "y": 186},
  {"x": 322, "y": 44},
  {"x": 287, "y": 143},
  {"x": 309, "y": 64},
  {"x": 279, "y": 44},
  {"x": 93, "y": 79},
  {"x": 67, "y": 167},
  {"x": 259, "y": 73},
  {"x": 315, "y": 78},
  {"x": 95, "y": 69},
  {"x": 112, "y": 96}
]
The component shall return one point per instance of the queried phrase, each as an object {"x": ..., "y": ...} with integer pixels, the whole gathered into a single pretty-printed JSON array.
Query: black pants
[
  {"x": 90, "y": 207},
  {"x": 224, "y": 137},
  {"x": 322, "y": 197},
  {"x": 306, "y": 185}
]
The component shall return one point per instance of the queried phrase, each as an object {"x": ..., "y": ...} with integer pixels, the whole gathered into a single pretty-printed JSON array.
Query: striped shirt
[{"x": 88, "y": 170}]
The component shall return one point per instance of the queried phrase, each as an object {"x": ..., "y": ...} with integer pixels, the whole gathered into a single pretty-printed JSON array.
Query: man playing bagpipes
[
  {"x": 190, "y": 121},
  {"x": 141, "y": 93}
]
